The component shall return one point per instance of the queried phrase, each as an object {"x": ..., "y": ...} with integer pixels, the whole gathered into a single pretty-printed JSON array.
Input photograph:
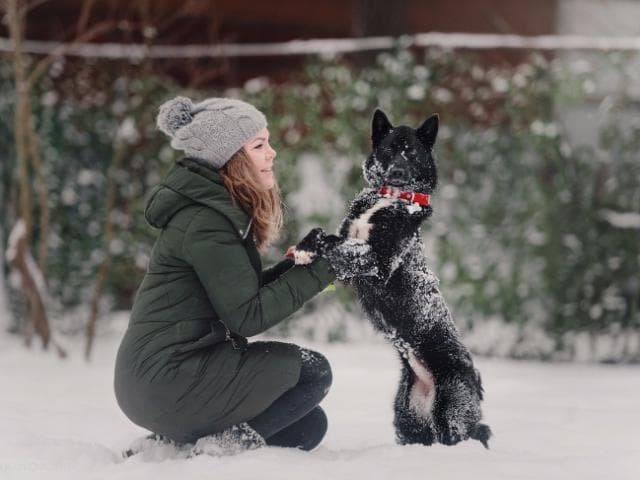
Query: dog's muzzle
[{"x": 397, "y": 176}]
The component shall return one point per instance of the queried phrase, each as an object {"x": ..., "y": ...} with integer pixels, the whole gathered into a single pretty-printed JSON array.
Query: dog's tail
[{"x": 482, "y": 433}]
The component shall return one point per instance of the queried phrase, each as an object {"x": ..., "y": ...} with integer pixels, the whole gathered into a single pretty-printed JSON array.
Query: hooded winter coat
[{"x": 175, "y": 374}]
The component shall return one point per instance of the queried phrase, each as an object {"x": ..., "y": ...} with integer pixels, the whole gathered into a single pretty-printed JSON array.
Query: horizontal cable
[{"x": 473, "y": 41}]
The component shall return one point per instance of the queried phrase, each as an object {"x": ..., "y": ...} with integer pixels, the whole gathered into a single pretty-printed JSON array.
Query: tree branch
[
  {"x": 44, "y": 64},
  {"x": 33, "y": 145},
  {"x": 103, "y": 271},
  {"x": 30, "y": 6},
  {"x": 83, "y": 18}
]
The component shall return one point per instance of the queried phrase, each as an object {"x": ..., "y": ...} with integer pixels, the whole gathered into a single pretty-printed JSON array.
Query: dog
[{"x": 378, "y": 250}]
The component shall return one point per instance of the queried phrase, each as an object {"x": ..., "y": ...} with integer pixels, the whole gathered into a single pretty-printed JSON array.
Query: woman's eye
[{"x": 258, "y": 146}]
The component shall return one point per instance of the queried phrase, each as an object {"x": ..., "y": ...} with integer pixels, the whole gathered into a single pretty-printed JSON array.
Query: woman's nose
[{"x": 272, "y": 152}]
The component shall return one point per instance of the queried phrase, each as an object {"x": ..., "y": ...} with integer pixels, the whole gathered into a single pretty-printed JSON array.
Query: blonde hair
[{"x": 242, "y": 180}]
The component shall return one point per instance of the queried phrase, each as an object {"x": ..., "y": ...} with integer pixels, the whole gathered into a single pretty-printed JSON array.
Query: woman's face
[{"x": 262, "y": 155}]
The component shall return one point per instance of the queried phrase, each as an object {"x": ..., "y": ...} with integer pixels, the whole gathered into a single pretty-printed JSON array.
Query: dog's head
[{"x": 402, "y": 156}]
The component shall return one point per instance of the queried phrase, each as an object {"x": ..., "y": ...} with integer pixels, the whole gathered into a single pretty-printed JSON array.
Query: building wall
[
  {"x": 599, "y": 18},
  {"x": 522, "y": 17},
  {"x": 242, "y": 21},
  {"x": 251, "y": 21}
]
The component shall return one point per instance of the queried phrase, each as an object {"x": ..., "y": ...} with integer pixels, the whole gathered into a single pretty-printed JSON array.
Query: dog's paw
[
  {"x": 303, "y": 257},
  {"x": 351, "y": 258},
  {"x": 482, "y": 433},
  {"x": 421, "y": 211},
  {"x": 309, "y": 247},
  {"x": 449, "y": 436}
]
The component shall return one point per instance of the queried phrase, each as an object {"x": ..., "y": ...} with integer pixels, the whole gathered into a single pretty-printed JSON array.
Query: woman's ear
[{"x": 380, "y": 127}]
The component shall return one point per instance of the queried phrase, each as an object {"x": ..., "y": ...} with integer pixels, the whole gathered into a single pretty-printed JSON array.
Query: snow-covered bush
[
  {"x": 535, "y": 231},
  {"x": 89, "y": 119}
]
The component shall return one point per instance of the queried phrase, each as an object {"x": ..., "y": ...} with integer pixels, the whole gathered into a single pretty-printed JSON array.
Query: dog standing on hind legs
[{"x": 438, "y": 399}]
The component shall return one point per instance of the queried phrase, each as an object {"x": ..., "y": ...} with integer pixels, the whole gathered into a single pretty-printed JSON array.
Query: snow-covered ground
[{"x": 59, "y": 420}]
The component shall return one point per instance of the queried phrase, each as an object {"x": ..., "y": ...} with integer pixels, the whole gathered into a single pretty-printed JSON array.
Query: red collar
[{"x": 414, "y": 197}]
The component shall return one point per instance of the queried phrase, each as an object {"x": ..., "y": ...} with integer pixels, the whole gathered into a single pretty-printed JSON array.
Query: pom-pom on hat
[{"x": 212, "y": 130}]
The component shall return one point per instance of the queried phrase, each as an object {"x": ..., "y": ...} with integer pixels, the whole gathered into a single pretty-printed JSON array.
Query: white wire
[{"x": 474, "y": 41}]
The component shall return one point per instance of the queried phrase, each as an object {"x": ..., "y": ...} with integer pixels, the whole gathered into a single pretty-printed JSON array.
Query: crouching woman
[{"x": 185, "y": 369}]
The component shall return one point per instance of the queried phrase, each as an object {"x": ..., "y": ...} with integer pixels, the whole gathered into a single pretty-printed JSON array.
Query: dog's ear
[
  {"x": 380, "y": 127},
  {"x": 428, "y": 131}
]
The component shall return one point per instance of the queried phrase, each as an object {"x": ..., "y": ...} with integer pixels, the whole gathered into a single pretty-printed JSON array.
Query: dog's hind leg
[
  {"x": 423, "y": 391},
  {"x": 412, "y": 426},
  {"x": 458, "y": 414}
]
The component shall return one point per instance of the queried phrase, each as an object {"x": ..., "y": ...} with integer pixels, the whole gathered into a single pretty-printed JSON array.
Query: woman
[{"x": 184, "y": 369}]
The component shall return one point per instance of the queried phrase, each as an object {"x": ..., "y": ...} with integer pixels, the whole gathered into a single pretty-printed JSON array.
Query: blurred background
[{"x": 536, "y": 231}]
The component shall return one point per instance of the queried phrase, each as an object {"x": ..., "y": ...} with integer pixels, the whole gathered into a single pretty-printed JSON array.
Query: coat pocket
[{"x": 219, "y": 333}]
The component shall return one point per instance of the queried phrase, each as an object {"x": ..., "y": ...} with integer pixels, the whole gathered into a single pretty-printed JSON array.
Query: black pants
[{"x": 295, "y": 419}]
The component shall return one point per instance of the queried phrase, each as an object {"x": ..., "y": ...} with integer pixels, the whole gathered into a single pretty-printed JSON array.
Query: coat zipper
[{"x": 228, "y": 337}]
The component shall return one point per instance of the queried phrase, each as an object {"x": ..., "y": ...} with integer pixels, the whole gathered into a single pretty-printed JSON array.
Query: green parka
[{"x": 174, "y": 373}]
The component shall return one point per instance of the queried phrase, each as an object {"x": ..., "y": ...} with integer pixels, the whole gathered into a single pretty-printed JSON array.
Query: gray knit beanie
[{"x": 212, "y": 130}]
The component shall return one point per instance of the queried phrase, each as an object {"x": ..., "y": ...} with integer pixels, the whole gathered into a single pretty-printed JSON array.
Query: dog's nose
[{"x": 397, "y": 176}]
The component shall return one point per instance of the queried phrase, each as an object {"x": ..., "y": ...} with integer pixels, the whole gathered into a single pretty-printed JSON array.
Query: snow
[
  {"x": 303, "y": 257},
  {"x": 413, "y": 208},
  {"x": 19, "y": 230},
  {"x": 329, "y": 47},
  {"x": 127, "y": 132},
  {"x": 319, "y": 192},
  {"x": 621, "y": 219},
  {"x": 60, "y": 420},
  {"x": 3, "y": 295}
]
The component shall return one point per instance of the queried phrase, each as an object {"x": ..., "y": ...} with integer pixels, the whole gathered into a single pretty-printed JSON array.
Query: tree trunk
[
  {"x": 20, "y": 120},
  {"x": 103, "y": 270},
  {"x": 372, "y": 18},
  {"x": 379, "y": 17},
  {"x": 32, "y": 285},
  {"x": 43, "y": 192},
  {"x": 4, "y": 304},
  {"x": 27, "y": 141},
  {"x": 21, "y": 249}
]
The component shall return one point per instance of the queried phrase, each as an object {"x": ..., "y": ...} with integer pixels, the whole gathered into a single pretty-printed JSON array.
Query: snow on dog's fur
[{"x": 438, "y": 399}]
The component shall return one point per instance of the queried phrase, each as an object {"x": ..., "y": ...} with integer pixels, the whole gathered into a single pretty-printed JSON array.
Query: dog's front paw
[
  {"x": 421, "y": 211},
  {"x": 350, "y": 258},
  {"x": 309, "y": 247}
]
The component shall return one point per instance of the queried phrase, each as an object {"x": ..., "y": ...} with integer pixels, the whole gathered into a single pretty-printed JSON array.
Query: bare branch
[
  {"x": 83, "y": 19},
  {"x": 201, "y": 77},
  {"x": 46, "y": 62},
  {"x": 35, "y": 154},
  {"x": 30, "y": 6},
  {"x": 117, "y": 160},
  {"x": 168, "y": 20},
  {"x": 22, "y": 262}
]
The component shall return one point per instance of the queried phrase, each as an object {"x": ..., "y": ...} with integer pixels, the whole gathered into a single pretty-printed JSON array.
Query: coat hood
[{"x": 189, "y": 183}]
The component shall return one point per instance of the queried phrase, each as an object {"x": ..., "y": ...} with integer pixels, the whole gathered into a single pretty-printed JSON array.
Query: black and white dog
[{"x": 379, "y": 251}]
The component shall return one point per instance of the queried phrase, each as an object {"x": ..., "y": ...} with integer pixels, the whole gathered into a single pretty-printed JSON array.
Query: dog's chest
[{"x": 361, "y": 225}]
